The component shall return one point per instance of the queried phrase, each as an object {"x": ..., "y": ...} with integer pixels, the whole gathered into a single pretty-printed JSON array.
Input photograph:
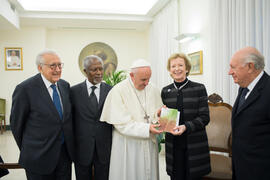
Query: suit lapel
[
  {"x": 254, "y": 94},
  {"x": 101, "y": 95},
  {"x": 44, "y": 94},
  {"x": 235, "y": 106},
  {"x": 251, "y": 98},
  {"x": 85, "y": 95},
  {"x": 64, "y": 97}
]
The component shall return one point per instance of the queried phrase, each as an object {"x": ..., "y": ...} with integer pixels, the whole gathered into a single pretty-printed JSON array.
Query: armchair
[
  {"x": 2, "y": 115},
  {"x": 219, "y": 138}
]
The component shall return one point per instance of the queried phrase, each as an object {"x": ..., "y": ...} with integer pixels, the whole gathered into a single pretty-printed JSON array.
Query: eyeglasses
[{"x": 53, "y": 66}]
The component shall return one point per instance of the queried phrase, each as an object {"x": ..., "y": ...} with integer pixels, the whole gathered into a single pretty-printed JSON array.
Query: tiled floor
[{"x": 10, "y": 153}]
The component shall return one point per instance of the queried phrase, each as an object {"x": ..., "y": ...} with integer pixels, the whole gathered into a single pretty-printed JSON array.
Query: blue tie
[
  {"x": 242, "y": 98},
  {"x": 56, "y": 101},
  {"x": 57, "y": 104}
]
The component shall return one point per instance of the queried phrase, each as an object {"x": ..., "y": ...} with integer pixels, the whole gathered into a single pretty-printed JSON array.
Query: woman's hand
[{"x": 178, "y": 130}]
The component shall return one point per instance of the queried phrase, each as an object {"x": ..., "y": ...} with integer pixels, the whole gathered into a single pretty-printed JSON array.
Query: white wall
[
  {"x": 128, "y": 45},
  {"x": 32, "y": 40},
  {"x": 194, "y": 18}
]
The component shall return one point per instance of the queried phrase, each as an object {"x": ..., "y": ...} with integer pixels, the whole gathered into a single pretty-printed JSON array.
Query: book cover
[{"x": 169, "y": 118}]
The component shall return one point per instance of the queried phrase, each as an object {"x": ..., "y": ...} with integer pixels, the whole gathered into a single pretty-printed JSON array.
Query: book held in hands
[{"x": 169, "y": 118}]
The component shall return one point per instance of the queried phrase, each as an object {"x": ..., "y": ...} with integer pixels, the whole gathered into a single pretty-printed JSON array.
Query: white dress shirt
[
  {"x": 89, "y": 89},
  {"x": 253, "y": 84},
  {"x": 50, "y": 90}
]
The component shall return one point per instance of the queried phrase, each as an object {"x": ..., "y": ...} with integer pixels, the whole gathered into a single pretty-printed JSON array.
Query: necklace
[
  {"x": 146, "y": 117},
  {"x": 180, "y": 86}
]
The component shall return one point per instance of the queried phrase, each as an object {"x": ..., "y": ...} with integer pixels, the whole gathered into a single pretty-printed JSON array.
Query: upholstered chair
[
  {"x": 219, "y": 138},
  {"x": 2, "y": 115}
]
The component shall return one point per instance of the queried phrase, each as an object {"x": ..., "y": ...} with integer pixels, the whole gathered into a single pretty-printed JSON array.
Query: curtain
[
  {"x": 237, "y": 24},
  {"x": 162, "y": 44}
]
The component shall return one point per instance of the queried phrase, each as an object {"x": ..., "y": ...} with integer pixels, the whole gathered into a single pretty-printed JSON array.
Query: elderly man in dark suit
[
  {"x": 93, "y": 138},
  {"x": 250, "y": 116},
  {"x": 41, "y": 121}
]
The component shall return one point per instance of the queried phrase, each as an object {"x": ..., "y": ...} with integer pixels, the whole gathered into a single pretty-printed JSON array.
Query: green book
[{"x": 169, "y": 118}]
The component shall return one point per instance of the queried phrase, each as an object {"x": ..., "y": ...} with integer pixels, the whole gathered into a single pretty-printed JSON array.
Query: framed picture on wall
[
  {"x": 13, "y": 58},
  {"x": 196, "y": 61}
]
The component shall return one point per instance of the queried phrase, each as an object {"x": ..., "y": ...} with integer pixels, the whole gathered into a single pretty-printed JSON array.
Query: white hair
[
  {"x": 88, "y": 60},
  {"x": 257, "y": 59},
  {"x": 40, "y": 59}
]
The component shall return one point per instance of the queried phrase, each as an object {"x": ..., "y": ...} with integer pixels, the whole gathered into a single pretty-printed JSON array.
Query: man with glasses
[
  {"x": 93, "y": 138},
  {"x": 41, "y": 121}
]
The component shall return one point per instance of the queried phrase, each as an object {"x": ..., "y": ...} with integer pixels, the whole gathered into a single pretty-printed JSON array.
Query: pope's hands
[
  {"x": 154, "y": 129},
  {"x": 178, "y": 130}
]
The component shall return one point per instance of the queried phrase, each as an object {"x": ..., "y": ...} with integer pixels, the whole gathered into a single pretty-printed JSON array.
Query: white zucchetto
[{"x": 140, "y": 63}]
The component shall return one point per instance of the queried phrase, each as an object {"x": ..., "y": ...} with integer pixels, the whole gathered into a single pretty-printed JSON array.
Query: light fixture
[
  {"x": 185, "y": 37},
  {"x": 131, "y": 7}
]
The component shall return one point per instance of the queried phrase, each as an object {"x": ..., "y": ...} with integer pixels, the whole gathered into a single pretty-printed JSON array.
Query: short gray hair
[
  {"x": 88, "y": 60},
  {"x": 257, "y": 59},
  {"x": 40, "y": 59}
]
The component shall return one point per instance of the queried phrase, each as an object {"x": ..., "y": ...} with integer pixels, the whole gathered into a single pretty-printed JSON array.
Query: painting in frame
[
  {"x": 102, "y": 50},
  {"x": 196, "y": 61},
  {"x": 13, "y": 58}
]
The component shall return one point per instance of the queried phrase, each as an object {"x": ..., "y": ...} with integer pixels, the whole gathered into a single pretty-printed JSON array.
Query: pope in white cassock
[{"x": 131, "y": 107}]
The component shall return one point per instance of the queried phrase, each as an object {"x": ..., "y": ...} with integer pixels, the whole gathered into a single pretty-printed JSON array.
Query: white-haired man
[
  {"x": 41, "y": 121},
  {"x": 93, "y": 138},
  {"x": 250, "y": 116}
]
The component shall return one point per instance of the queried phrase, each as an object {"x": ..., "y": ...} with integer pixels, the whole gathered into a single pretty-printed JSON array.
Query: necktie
[
  {"x": 56, "y": 101},
  {"x": 242, "y": 97},
  {"x": 93, "y": 97}
]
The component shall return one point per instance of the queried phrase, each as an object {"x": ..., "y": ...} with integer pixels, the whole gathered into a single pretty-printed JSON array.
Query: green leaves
[
  {"x": 115, "y": 77},
  {"x": 160, "y": 139}
]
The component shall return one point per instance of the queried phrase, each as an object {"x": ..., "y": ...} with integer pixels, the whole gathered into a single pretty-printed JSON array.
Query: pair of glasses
[{"x": 53, "y": 66}]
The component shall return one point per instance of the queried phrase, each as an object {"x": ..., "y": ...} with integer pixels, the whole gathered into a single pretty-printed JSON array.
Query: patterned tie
[
  {"x": 56, "y": 101},
  {"x": 242, "y": 98}
]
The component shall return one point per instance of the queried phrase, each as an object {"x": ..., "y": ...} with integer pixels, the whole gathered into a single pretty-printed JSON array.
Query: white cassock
[
  {"x": 134, "y": 154},
  {"x": 14, "y": 61}
]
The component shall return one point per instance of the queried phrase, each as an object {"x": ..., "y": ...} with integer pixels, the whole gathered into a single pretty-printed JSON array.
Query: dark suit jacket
[
  {"x": 251, "y": 134},
  {"x": 89, "y": 131},
  {"x": 37, "y": 127}
]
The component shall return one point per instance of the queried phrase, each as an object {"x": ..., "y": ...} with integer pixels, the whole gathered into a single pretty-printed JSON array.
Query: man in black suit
[
  {"x": 250, "y": 116},
  {"x": 93, "y": 138},
  {"x": 41, "y": 121}
]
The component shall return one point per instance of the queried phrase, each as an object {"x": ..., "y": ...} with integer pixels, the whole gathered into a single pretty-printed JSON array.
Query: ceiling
[{"x": 82, "y": 20}]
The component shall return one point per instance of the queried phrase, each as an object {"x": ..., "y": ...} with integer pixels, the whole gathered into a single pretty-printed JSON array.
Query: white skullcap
[{"x": 140, "y": 63}]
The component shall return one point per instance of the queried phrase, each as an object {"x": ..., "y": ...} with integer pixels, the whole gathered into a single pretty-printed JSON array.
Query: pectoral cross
[{"x": 146, "y": 117}]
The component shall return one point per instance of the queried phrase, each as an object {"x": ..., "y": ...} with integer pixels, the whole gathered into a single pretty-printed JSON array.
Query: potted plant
[
  {"x": 161, "y": 140},
  {"x": 115, "y": 77}
]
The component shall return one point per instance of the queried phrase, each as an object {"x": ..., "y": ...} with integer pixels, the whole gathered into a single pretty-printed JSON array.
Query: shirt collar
[
  {"x": 255, "y": 81},
  {"x": 46, "y": 82},
  {"x": 89, "y": 84}
]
